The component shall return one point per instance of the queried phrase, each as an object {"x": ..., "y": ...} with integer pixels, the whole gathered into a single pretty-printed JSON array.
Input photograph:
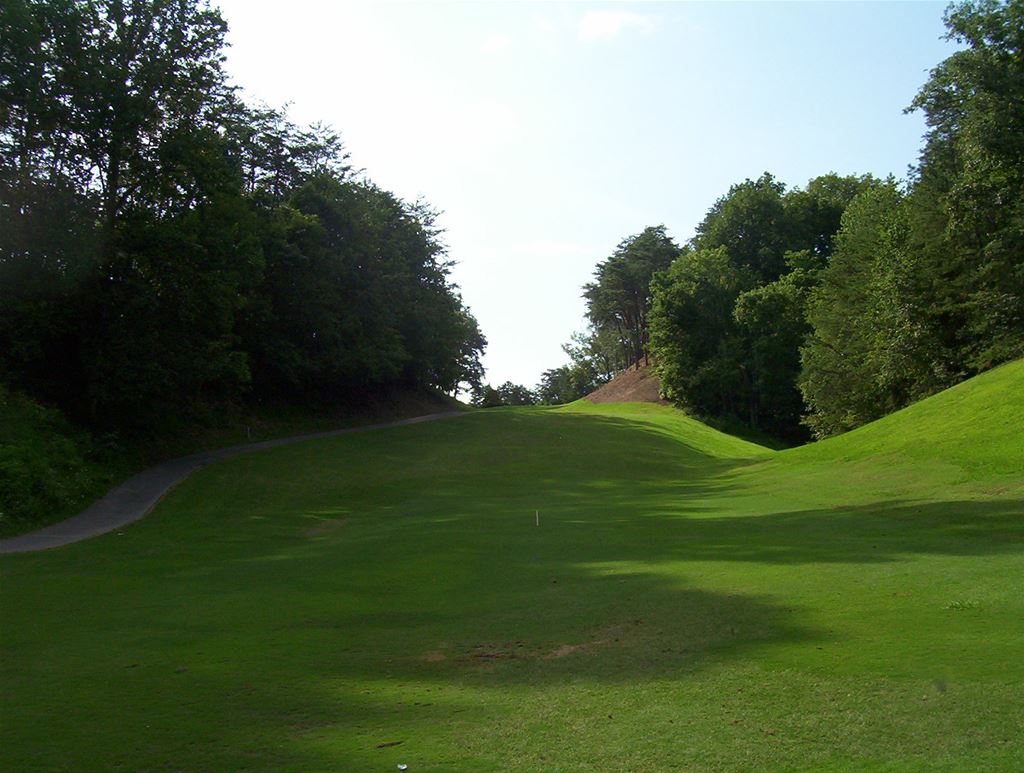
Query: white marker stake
[{"x": 536, "y": 514}]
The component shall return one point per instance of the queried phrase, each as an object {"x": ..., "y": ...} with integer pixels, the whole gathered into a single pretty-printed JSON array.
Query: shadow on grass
[
  {"x": 244, "y": 631},
  {"x": 624, "y": 490}
]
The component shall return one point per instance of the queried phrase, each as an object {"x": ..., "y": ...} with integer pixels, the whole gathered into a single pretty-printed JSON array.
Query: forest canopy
[{"x": 165, "y": 246}]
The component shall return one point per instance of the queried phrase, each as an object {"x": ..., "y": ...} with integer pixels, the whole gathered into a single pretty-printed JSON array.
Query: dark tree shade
[
  {"x": 729, "y": 316},
  {"x": 164, "y": 247}
]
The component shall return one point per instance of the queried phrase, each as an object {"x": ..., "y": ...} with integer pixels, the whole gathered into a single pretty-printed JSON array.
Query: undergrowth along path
[{"x": 133, "y": 499}]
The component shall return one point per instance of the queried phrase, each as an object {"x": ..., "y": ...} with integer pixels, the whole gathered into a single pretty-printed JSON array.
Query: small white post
[{"x": 536, "y": 514}]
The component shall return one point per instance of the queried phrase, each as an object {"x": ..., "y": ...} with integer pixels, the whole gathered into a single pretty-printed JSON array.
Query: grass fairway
[{"x": 688, "y": 601}]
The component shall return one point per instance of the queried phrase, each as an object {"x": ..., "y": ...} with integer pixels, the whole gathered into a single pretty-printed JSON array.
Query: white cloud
[
  {"x": 495, "y": 44},
  {"x": 604, "y": 25}
]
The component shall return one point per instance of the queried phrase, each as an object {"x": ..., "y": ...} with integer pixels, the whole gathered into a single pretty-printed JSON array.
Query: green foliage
[
  {"x": 596, "y": 351},
  {"x": 840, "y": 379},
  {"x": 567, "y": 383},
  {"x": 970, "y": 183},
  {"x": 735, "y": 352},
  {"x": 694, "y": 335},
  {"x": 485, "y": 396},
  {"x": 165, "y": 248},
  {"x": 748, "y": 223},
  {"x": 44, "y": 470},
  {"x": 928, "y": 288},
  {"x": 771, "y": 319},
  {"x": 594, "y": 358},
  {"x": 516, "y": 394},
  {"x": 759, "y": 222},
  {"x": 813, "y": 213},
  {"x": 618, "y": 299}
]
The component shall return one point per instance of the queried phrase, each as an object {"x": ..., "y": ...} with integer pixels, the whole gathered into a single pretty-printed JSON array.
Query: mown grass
[
  {"x": 51, "y": 470},
  {"x": 689, "y": 601}
]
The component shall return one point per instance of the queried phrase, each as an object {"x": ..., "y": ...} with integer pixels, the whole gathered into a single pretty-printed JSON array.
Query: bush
[{"x": 44, "y": 471}]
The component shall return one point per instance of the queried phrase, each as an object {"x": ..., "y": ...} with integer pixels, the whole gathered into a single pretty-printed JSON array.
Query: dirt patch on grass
[
  {"x": 497, "y": 651},
  {"x": 630, "y": 386},
  {"x": 570, "y": 649},
  {"x": 325, "y": 527},
  {"x": 603, "y": 637},
  {"x": 518, "y": 650},
  {"x": 434, "y": 657}
]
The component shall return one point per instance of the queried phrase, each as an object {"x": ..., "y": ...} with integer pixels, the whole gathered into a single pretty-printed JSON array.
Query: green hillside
[
  {"x": 977, "y": 425},
  {"x": 688, "y": 601}
]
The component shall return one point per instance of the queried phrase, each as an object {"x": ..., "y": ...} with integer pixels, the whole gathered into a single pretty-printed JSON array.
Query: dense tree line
[
  {"x": 164, "y": 246},
  {"x": 818, "y": 309},
  {"x": 486, "y": 396},
  {"x": 728, "y": 316},
  {"x": 927, "y": 287}
]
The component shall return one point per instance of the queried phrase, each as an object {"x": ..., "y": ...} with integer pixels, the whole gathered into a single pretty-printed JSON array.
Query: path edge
[{"x": 133, "y": 499}]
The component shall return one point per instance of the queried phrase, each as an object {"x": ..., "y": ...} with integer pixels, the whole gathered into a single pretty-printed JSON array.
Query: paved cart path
[{"x": 136, "y": 496}]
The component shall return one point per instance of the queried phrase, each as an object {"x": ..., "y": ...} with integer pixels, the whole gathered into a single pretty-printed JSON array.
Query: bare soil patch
[{"x": 630, "y": 386}]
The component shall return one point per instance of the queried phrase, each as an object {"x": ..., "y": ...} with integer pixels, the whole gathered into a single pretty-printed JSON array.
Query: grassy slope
[
  {"x": 689, "y": 601},
  {"x": 49, "y": 470}
]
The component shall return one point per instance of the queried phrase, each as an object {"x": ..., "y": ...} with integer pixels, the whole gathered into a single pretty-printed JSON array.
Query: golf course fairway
[{"x": 613, "y": 587}]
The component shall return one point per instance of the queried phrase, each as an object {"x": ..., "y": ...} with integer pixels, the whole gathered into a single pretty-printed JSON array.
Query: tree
[
  {"x": 928, "y": 288},
  {"x": 140, "y": 286},
  {"x": 355, "y": 297},
  {"x": 566, "y": 383},
  {"x": 968, "y": 196},
  {"x": 596, "y": 351},
  {"x": 813, "y": 213},
  {"x": 486, "y": 396},
  {"x": 745, "y": 363},
  {"x": 771, "y": 320},
  {"x": 619, "y": 298},
  {"x": 516, "y": 394},
  {"x": 749, "y": 224},
  {"x": 873, "y": 345},
  {"x": 113, "y": 88},
  {"x": 695, "y": 339},
  {"x": 164, "y": 247}
]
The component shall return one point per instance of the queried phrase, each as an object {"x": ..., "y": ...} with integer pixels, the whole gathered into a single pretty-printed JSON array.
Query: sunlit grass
[{"x": 689, "y": 601}]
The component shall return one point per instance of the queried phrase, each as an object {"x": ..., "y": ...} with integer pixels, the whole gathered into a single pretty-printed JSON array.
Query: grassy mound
[
  {"x": 977, "y": 425},
  {"x": 688, "y": 601}
]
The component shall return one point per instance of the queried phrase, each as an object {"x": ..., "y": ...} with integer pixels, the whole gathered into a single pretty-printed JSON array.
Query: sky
[{"x": 546, "y": 133}]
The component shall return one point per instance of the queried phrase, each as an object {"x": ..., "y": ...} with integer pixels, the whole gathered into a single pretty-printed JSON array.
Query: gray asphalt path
[{"x": 136, "y": 496}]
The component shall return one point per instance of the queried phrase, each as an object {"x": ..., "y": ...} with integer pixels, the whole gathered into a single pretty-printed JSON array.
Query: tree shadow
[{"x": 439, "y": 603}]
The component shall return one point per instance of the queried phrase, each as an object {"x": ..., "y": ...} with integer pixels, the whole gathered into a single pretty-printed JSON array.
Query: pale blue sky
[{"x": 547, "y": 132}]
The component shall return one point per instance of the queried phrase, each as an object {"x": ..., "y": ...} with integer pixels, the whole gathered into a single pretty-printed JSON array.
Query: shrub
[{"x": 44, "y": 471}]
